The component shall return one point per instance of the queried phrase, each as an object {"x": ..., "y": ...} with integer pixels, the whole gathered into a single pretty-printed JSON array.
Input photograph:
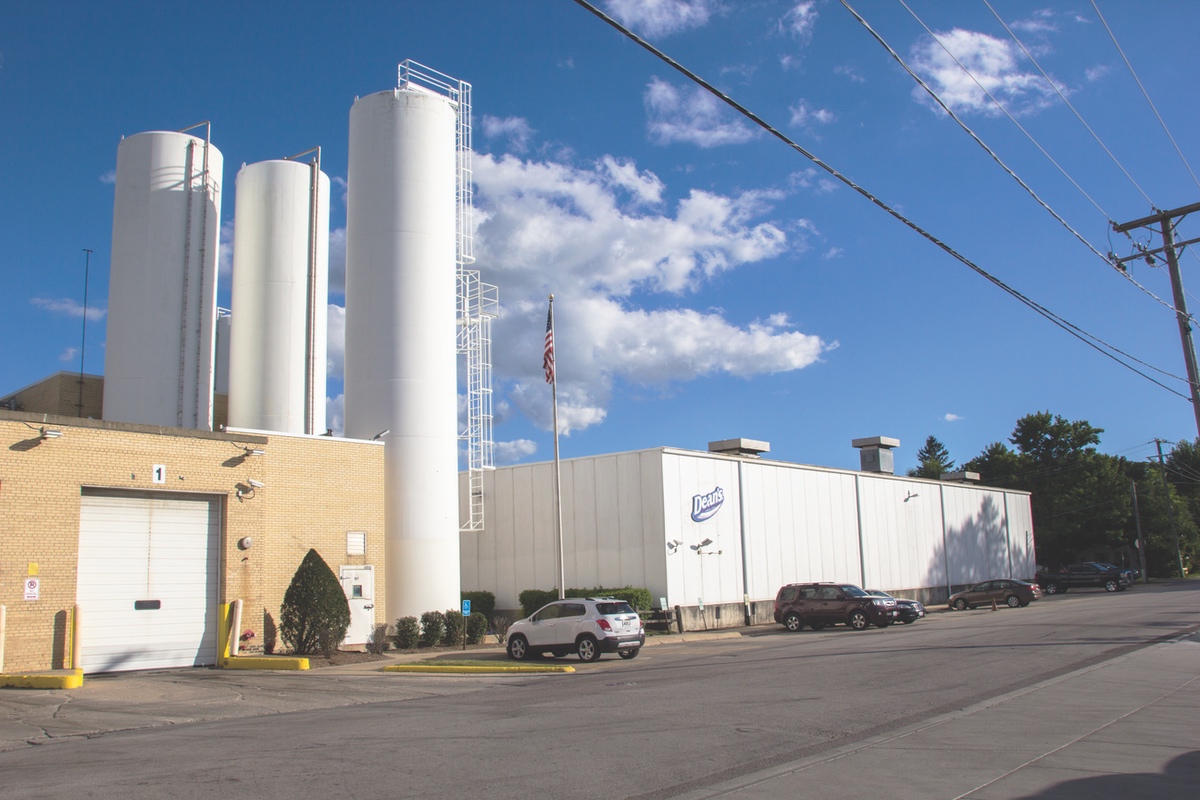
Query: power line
[
  {"x": 1068, "y": 103},
  {"x": 1090, "y": 340},
  {"x": 995, "y": 157},
  {"x": 1145, "y": 94}
]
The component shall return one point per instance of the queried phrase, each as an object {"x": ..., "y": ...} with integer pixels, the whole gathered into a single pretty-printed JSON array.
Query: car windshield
[
  {"x": 877, "y": 593},
  {"x": 854, "y": 591},
  {"x": 608, "y": 609}
]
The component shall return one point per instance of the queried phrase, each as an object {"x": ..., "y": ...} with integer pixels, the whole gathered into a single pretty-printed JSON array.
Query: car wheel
[
  {"x": 589, "y": 649},
  {"x": 960, "y": 604},
  {"x": 560, "y": 653},
  {"x": 883, "y": 623},
  {"x": 1013, "y": 601},
  {"x": 817, "y": 626},
  {"x": 1053, "y": 588},
  {"x": 858, "y": 620},
  {"x": 518, "y": 648},
  {"x": 630, "y": 653},
  {"x": 793, "y": 623},
  {"x": 1024, "y": 603},
  {"x": 1110, "y": 586},
  {"x": 908, "y": 621}
]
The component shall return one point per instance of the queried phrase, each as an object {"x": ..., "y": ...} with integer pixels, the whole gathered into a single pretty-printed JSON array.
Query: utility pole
[
  {"x": 1141, "y": 540},
  {"x": 1170, "y": 508},
  {"x": 1166, "y": 221}
]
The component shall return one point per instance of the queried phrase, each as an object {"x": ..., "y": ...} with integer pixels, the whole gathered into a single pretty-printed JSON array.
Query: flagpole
[{"x": 558, "y": 526}]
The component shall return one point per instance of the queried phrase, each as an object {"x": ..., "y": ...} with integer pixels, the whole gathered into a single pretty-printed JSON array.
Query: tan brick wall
[
  {"x": 59, "y": 395},
  {"x": 315, "y": 490}
]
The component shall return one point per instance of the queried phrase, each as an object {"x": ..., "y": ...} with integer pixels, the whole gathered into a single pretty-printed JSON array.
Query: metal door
[{"x": 358, "y": 582}]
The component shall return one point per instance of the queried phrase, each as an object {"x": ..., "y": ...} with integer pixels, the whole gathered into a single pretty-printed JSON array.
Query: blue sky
[{"x": 710, "y": 282}]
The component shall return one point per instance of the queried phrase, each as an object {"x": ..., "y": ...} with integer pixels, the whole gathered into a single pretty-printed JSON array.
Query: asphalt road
[{"x": 678, "y": 720}]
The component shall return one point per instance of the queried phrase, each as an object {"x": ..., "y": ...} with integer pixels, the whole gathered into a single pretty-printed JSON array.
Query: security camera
[
  {"x": 255, "y": 484},
  {"x": 705, "y": 543}
]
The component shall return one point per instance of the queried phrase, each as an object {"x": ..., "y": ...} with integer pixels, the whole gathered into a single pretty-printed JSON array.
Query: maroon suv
[{"x": 819, "y": 604}]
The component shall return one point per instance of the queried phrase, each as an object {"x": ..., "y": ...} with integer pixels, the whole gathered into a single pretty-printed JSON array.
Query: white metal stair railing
[{"x": 477, "y": 302}]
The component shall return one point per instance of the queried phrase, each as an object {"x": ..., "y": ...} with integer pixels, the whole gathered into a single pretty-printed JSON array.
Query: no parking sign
[{"x": 33, "y": 587}]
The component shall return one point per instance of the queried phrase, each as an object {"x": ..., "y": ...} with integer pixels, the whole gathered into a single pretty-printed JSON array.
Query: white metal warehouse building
[{"x": 717, "y": 534}]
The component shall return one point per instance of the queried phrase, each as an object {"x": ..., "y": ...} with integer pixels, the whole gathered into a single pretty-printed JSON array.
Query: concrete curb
[
  {"x": 59, "y": 679},
  {"x": 476, "y": 670},
  {"x": 265, "y": 662}
]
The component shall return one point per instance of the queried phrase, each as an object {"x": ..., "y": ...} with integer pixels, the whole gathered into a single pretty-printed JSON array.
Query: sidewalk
[{"x": 1126, "y": 728}]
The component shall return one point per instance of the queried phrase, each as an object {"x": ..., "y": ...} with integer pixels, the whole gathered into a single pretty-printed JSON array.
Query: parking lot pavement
[{"x": 1123, "y": 728}]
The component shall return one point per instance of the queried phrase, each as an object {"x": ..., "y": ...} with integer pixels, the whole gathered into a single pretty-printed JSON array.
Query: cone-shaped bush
[{"x": 315, "y": 614}]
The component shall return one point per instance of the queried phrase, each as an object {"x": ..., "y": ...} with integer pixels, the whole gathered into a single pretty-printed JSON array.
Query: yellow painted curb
[
  {"x": 265, "y": 662},
  {"x": 474, "y": 670},
  {"x": 62, "y": 680}
]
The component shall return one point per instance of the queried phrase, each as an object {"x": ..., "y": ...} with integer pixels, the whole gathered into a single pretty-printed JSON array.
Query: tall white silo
[
  {"x": 400, "y": 361},
  {"x": 280, "y": 295},
  {"x": 162, "y": 289}
]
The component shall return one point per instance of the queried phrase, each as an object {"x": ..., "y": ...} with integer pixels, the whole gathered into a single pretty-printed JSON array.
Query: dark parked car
[
  {"x": 907, "y": 611},
  {"x": 1006, "y": 591},
  {"x": 1074, "y": 576},
  {"x": 820, "y": 604}
]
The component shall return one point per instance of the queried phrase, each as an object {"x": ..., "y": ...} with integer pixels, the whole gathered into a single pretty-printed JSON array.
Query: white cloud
[
  {"x": 995, "y": 65},
  {"x": 851, "y": 73},
  {"x": 515, "y": 130},
  {"x": 584, "y": 234},
  {"x": 1095, "y": 73},
  {"x": 225, "y": 251},
  {"x": 799, "y": 21},
  {"x": 691, "y": 115},
  {"x": 514, "y": 451},
  {"x": 335, "y": 348},
  {"x": 802, "y": 114},
  {"x": 661, "y": 17},
  {"x": 337, "y": 261},
  {"x": 68, "y": 355},
  {"x": 335, "y": 414},
  {"x": 952, "y": 417},
  {"x": 812, "y": 178},
  {"x": 834, "y": 252},
  {"x": 69, "y": 307},
  {"x": 109, "y": 177}
]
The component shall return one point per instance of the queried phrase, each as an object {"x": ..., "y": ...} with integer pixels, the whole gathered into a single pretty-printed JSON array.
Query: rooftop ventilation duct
[
  {"x": 875, "y": 454},
  {"x": 750, "y": 448},
  {"x": 962, "y": 476}
]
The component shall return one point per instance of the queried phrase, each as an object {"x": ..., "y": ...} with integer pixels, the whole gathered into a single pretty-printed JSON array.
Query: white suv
[{"x": 588, "y": 626}]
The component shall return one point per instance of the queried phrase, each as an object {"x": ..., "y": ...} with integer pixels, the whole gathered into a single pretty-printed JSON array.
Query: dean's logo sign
[{"x": 705, "y": 505}]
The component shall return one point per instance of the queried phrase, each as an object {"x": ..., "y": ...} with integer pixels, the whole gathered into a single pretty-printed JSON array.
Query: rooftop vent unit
[
  {"x": 750, "y": 448},
  {"x": 962, "y": 476},
  {"x": 875, "y": 454}
]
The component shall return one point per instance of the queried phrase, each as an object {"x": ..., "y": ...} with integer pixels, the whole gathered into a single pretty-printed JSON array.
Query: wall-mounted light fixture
[
  {"x": 252, "y": 451},
  {"x": 699, "y": 548},
  {"x": 255, "y": 484},
  {"x": 673, "y": 546},
  {"x": 49, "y": 433},
  {"x": 381, "y": 434},
  {"x": 910, "y": 496}
]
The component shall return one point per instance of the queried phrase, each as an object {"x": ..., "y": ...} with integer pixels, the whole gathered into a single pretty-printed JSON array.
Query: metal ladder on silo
[{"x": 478, "y": 302}]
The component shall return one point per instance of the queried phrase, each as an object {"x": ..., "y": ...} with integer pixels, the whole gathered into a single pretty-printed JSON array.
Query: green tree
[
  {"x": 1080, "y": 498},
  {"x": 315, "y": 614},
  {"x": 933, "y": 460}
]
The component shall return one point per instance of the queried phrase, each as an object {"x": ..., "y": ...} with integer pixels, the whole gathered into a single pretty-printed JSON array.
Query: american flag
[{"x": 548, "y": 350}]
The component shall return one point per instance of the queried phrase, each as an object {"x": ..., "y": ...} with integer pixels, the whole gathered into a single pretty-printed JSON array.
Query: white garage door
[{"x": 147, "y": 580}]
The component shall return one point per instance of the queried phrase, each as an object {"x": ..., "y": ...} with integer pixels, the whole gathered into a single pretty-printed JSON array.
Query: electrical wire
[
  {"x": 1145, "y": 94},
  {"x": 1090, "y": 340},
  {"x": 995, "y": 157},
  {"x": 1068, "y": 103}
]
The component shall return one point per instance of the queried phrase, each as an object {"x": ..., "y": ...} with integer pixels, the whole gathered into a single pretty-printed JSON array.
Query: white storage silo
[
  {"x": 400, "y": 361},
  {"x": 277, "y": 358},
  {"x": 162, "y": 290}
]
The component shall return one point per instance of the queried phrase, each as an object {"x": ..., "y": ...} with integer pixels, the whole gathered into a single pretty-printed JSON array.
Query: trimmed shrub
[
  {"x": 481, "y": 603},
  {"x": 456, "y": 628},
  {"x": 378, "y": 641},
  {"x": 408, "y": 633},
  {"x": 533, "y": 599},
  {"x": 315, "y": 613},
  {"x": 477, "y": 627},
  {"x": 433, "y": 628}
]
